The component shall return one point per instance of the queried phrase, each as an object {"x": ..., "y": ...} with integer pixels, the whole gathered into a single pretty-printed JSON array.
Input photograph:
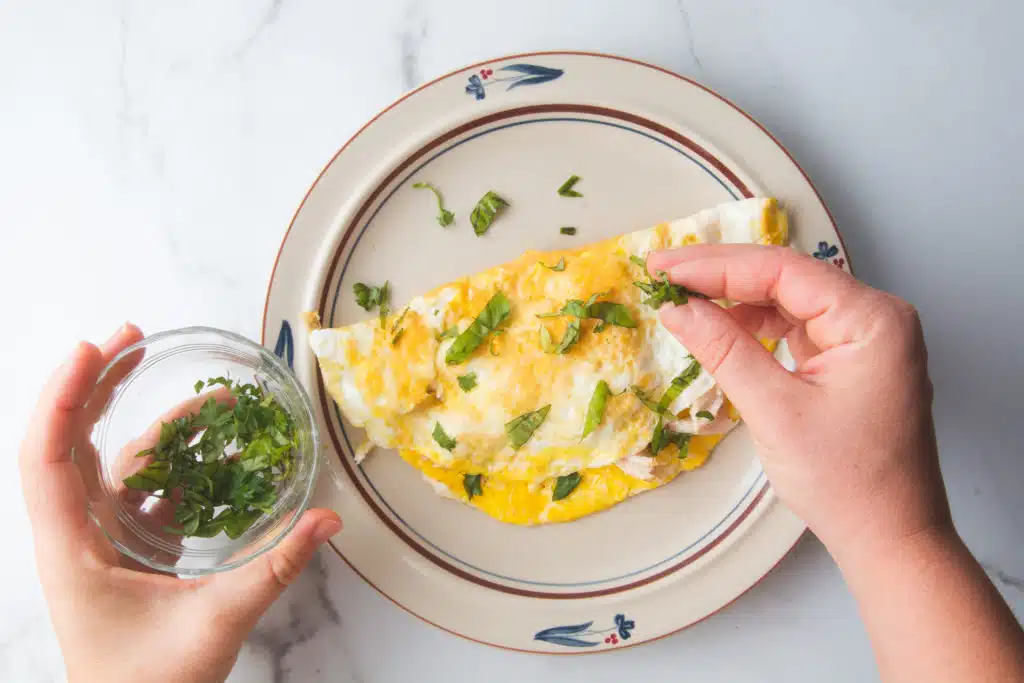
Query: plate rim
[{"x": 472, "y": 66}]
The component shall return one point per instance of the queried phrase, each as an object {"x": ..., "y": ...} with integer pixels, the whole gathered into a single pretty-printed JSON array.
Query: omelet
[{"x": 545, "y": 389}]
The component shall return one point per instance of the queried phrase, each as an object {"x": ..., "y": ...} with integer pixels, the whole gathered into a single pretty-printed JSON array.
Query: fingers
[
  {"x": 750, "y": 376},
  {"x": 835, "y": 307},
  {"x": 53, "y": 488},
  {"x": 760, "y": 321},
  {"x": 126, "y": 336},
  {"x": 241, "y": 596}
]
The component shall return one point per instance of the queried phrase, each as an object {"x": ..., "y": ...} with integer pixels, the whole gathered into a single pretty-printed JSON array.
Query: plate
[{"x": 650, "y": 146}]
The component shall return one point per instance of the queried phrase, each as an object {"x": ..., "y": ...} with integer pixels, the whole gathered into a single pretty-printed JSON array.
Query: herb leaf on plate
[
  {"x": 467, "y": 382},
  {"x": 567, "y": 230},
  {"x": 485, "y": 211},
  {"x": 445, "y": 217},
  {"x": 566, "y": 189}
]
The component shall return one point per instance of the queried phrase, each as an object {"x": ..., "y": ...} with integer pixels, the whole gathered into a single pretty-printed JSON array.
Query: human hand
[
  {"x": 115, "y": 620},
  {"x": 847, "y": 439}
]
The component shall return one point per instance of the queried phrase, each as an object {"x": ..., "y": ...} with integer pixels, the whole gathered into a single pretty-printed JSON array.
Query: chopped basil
[
  {"x": 566, "y": 485},
  {"x": 546, "y": 343},
  {"x": 489, "y": 206},
  {"x": 645, "y": 398},
  {"x": 441, "y": 437},
  {"x": 595, "y": 411},
  {"x": 663, "y": 436},
  {"x": 473, "y": 483},
  {"x": 572, "y": 335},
  {"x": 707, "y": 415},
  {"x": 494, "y": 313},
  {"x": 396, "y": 330},
  {"x": 566, "y": 189},
  {"x": 683, "y": 380},
  {"x": 450, "y": 333},
  {"x": 445, "y": 217},
  {"x": 522, "y": 428},
  {"x": 567, "y": 230},
  {"x": 607, "y": 312},
  {"x": 640, "y": 261},
  {"x": 659, "y": 291},
  {"x": 467, "y": 382},
  {"x": 558, "y": 267}
]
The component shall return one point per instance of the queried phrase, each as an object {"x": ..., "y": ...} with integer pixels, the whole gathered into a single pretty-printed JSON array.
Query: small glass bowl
[{"x": 154, "y": 381}]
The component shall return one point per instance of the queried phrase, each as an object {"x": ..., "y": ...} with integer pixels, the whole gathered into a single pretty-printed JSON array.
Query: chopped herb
[
  {"x": 572, "y": 335},
  {"x": 522, "y": 428},
  {"x": 228, "y": 455},
  {"x": 486, "y": 210},
  {"x": 679, "y": 383},
  {"x": 595, "y": 411},
  {"x": 566, "y": 485},
  {"x": 441, "y": 437},
  {"x": 706, "y": 414},
  {"x": 567, "y": 230},
  {"x": 494, "y": 338},
  {"x": 558, "y": 267},
  {"x": 396, "y": 330},
  {"x": 369, "y": 297},
  {"x": 450, "y": 333},
  {"x": 397, "y": 336},
  {"x": 645, "y": 398},
  {"x": 467, "y": 382},
  {"x": 663, "y": 436},
  {"x": 659, "y": 291},
  {"x": 494, "y": 313},
  {"x": 474, "y": 485},
  {"x": 199, "y": 386},
  {"x": 445, "y": 217},
  {"x": 546, "y": 342},
  {"x": 639, "y": 260},
  {"x": 566, "y": 189},
  {"x": 607, "y": 312}
]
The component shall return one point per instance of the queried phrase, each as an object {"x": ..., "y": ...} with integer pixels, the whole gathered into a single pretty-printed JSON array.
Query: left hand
[{"x": 115, "y": 620}]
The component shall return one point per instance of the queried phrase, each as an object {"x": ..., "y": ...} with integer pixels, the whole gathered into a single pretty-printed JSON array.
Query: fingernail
[{"x": 325, "y": 529}]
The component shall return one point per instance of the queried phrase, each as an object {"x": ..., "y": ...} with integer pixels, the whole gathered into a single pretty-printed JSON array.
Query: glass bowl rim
[{"x": 307, "y": 405}]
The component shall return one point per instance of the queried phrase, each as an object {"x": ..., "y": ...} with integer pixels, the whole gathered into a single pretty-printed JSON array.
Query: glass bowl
[{"x": 152, "y": 382}]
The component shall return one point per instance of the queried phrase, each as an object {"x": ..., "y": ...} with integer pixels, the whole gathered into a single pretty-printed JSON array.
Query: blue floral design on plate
[
  {"x": 582, "y": 635},
  {"x": 829, "y": 252},
  {"x": 516, "y": 75},
  {"x": 285, "y": 347}
]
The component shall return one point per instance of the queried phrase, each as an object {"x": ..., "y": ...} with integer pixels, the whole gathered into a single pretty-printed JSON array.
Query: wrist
[{"x": 871, "y": 553}]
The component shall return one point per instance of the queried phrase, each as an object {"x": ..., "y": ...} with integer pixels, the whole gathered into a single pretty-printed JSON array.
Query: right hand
[{"x": 847, "y": 439}]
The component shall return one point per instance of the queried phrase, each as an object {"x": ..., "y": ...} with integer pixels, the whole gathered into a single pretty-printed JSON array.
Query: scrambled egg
[{"x": 394, "y": 381}]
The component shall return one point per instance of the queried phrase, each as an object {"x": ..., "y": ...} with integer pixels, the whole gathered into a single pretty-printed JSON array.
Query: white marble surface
[{"x": 152, "y": 154}]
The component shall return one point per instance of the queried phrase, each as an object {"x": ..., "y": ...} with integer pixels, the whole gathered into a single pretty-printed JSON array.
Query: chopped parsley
[
  {"x": 595, "y": 410},
  {"x": 222, "y": 464},
  {"x": 558, "y": 267},
  {"x": 494, "y": 313},
  {"x": 474, "y": 485},
  {"x": 567, "y": 230},
  {"x": 566, "y": 189},
  {"x": 522, "y": 428},
  {"x": 370, "y": 297},
  {"x": 441, "y": 437},
  {"x": 445, "y": 217},
  {"x": 565, "y": 485},
  {"x": 397, "y": 330},
  {"x": 486, "y": 210},
  {"x": 467, "y": 382}
]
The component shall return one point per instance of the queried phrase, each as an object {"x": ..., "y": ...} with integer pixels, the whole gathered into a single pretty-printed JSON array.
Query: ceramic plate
[{"x": 650, "y": 146}]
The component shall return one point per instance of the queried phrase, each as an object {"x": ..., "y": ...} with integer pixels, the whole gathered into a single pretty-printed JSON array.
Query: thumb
[
  {"x": 749, "y": 375},
  {"x": 240, "y": 597}
]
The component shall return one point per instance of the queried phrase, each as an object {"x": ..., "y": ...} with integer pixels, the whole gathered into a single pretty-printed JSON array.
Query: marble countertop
[{"x": 152, "y": 155}]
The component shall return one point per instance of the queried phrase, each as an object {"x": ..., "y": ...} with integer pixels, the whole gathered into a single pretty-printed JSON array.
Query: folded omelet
[{"x": 544, "y": 389}]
